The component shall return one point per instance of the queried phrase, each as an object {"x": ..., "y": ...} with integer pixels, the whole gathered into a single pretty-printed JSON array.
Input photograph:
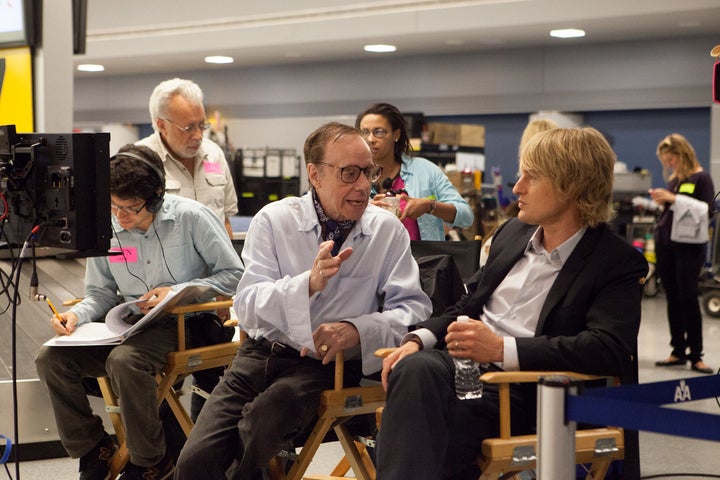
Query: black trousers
[
  {"x": 265, "y": 399},
  {"x": 427, "y": 433},
  {"x": 679, "y": 266}
]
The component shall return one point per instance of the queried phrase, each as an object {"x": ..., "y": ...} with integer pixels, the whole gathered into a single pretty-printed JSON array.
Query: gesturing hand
[{"x": 325, "y": 266}]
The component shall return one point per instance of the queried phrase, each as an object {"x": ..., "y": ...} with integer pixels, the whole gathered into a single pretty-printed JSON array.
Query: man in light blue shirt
[
  {"x": 324, "y": 273},
  {"x": 165, "y": 243}
]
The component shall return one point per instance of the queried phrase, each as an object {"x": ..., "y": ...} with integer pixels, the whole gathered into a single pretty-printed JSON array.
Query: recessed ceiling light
[
  {"x": 567, "y": 33},
  {"x": 90, "y": 67},
  {"x": 380, "y": 48},
  {"x": 219, "y": 59}
]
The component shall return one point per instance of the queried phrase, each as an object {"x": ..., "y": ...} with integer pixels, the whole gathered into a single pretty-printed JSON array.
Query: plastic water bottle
[{"x": 467, "y": 375}]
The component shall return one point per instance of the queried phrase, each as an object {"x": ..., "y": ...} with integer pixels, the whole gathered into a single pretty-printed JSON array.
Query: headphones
[{"x": 155, "y": 202}]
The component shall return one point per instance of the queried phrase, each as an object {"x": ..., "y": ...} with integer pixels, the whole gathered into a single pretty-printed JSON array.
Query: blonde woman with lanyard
[{"x": 679, "y": 263}]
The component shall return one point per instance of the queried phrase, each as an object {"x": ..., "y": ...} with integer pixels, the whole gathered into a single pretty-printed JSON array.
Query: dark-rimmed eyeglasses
[
  {"x": 129, "y": 210},
  {"x": 351, "y": 173},
  {"x": 377, "y": 132},
  {"x": 202, "y": 126}
]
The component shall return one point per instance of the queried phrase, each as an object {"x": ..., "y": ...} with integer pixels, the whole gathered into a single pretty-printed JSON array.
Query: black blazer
[{"x": 590, "y": 320}]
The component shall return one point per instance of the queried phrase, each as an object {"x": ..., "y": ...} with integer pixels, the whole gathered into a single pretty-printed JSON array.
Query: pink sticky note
[
  {"x": 211, "y": 167},
  {"x": 129, "y": 255}
]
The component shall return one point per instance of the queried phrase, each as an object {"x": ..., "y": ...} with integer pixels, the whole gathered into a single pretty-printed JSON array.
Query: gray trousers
[
  {"x": 265, "y": 399},
  {"x": 131, "y": 367}
]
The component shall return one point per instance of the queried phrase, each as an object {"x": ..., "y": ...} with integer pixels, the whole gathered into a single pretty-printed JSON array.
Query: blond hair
[
  {"x": 533, "y": 127},
  {"x": 676, "y": 144},
  {"x": 579, "y": 163}
]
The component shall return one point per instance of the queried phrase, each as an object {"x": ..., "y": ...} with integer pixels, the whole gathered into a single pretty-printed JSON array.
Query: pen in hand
[{"x": 54, "y": 310}]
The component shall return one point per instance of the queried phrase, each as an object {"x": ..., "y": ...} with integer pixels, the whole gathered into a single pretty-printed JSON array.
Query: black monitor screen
[{"x": 57, "y": 185}]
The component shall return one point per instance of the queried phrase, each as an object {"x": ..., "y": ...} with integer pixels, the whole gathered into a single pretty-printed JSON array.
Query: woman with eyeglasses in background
[
  {"x": 428, "y": 198},
  {"x": 679, "y": 263}
]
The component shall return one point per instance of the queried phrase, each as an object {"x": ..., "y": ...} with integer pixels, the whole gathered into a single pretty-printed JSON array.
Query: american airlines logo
[{"x": 682, "y": 392}]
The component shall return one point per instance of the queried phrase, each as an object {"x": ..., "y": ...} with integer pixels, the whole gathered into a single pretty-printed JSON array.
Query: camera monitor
[{"x": 59, "y": 185}]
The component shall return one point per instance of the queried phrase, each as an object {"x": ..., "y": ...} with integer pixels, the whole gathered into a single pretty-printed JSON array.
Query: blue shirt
[
  {"x": 185, "y": 245},
  {"x": 273, "y": 299},
  {"x": 424, "y": 179}
]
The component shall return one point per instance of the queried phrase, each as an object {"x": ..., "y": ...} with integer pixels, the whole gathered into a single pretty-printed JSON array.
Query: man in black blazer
[{"x": 559, "y": 291}]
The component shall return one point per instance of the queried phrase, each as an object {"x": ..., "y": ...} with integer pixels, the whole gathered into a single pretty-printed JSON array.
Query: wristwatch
[{"x": 414, "y": 339}]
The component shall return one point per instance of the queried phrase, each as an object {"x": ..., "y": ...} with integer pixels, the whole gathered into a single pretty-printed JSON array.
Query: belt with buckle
[{"x": 277, "y": 349}]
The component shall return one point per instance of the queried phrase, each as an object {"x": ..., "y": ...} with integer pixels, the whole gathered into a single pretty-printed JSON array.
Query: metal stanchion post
[{"x": 556, "y": 436}]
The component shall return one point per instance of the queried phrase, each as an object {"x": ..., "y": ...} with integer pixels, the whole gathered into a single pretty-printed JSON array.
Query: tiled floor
[{"x": 669, "y": 456}]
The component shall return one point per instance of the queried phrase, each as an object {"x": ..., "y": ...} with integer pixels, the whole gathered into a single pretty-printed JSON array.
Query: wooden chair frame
[
  {"x": 336, "y": 407},
  {"x": 509, "y": 455},
  {"x": 179, "y": 364},
  {"x": 506, "y": 456}
]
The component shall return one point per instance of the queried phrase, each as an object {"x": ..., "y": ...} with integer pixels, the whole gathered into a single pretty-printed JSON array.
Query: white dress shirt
[{"x": 273, "y": 298}]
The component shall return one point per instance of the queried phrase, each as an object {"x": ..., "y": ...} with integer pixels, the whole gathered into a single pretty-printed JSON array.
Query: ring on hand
[
  {"x": 457, "y": 344},
  {"x": 322, "y": 275},
  {"x": 323, "y": 347}
]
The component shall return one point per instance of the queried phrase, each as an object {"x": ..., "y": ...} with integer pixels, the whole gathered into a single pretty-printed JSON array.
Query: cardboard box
[
  {"x": 455, "y": 178},
  {"x": 472, "y": 135},
  {"x": 444, "y": 133},
  {"x": 461, "y": 134}
]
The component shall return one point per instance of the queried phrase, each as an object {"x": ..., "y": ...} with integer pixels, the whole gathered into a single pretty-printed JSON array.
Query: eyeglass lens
[
  {"x": 351, "y": 173},
  {"x": 130, "y": 210},
  {"x": 202, "y": 126},
  {"x": 377, "y": 133}
]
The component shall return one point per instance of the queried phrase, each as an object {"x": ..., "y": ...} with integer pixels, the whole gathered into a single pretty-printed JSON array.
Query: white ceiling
[{"x": 134, "y": 36}]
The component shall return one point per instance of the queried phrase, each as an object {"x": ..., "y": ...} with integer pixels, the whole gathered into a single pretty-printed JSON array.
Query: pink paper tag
[
  {"x": 129, "y": 255},
  {"x": 211, "y": 167}
]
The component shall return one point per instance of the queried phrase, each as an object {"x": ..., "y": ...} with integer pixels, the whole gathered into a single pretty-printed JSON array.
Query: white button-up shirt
[{"x": 273, "y": 298}]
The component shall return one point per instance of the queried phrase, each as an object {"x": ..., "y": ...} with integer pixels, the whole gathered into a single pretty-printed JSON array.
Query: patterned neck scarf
[{"x": 331, "y": 229}]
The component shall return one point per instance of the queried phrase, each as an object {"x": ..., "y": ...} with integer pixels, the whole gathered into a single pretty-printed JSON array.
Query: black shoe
[
  {"x": 95, "y": 465},
  {"x": 671, "y": 362},
  {"x": 160, "y": 471},
  {"x": 696, "y": 368}
]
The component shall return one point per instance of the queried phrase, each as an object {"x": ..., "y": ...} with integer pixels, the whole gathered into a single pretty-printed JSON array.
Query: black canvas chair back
[
  {"x": 441, "y": 281},
  {"x": 465, "y": 253}
]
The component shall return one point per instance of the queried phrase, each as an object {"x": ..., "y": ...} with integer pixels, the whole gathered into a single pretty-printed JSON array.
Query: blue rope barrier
[
  {"x": 640, "y": 407},
  {"x": 662, "y": 393},
  {"x": 8, "y": 449}
]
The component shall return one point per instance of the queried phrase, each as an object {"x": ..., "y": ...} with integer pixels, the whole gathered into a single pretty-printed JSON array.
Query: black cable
[
  {"x": 13, "y": 335},
  {"x": 34, "y": 283},
  {"x": 675, "y": 475},
  {"x": 127, "y": 267},
  {"x": 162, "y": 250},
  {"x": 30, "y": 240},
  {"x": 715, "y": 208},
  {"x": 6, "y": 278}
]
